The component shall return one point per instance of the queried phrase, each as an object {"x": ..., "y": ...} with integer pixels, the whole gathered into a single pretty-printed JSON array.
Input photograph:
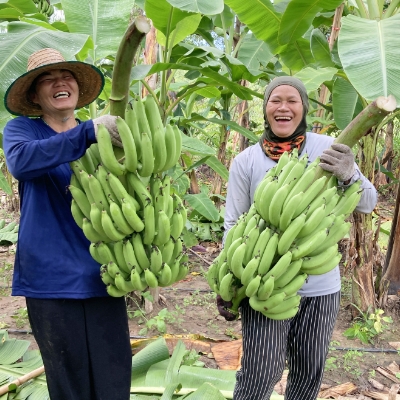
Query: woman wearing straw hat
[{"x": 82, "y": 333}]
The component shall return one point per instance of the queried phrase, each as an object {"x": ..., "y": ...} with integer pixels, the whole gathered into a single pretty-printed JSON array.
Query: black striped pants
[{"x": 302, "y": 340}]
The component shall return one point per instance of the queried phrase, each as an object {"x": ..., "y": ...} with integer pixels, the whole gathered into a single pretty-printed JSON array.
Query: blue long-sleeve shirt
[{"x": 52, "y": 258}]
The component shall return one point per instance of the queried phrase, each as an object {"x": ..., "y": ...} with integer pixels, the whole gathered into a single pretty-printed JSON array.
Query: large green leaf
[
  {"x": 183, "y": 28},
  {"x": 218, "y": 167},
  {"x": 260, "y": 17},
  {"x": 203, "y": 204},
  {"x": 164, "y": 16},
  {"x": 196, "y": 146},
  {"x": 313, "y": 78},
  {"x": 21, "y": 41},
  {"x": 344, "y": 101},
  {"x": 297, "y": 18},
  {"x": 297, "y": 55},
  {"x": 206, "y": 7},
  {"x": 253, "y": 53},
  {"x": 369, "y": 51},
  {"x": 320, "y": 49},
  {"x": 104, "y": 21},
  {"x": 23, "y": 6}
]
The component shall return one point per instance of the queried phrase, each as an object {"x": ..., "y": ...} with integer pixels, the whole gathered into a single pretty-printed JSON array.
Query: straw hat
[{"x": 89, "y": 78}]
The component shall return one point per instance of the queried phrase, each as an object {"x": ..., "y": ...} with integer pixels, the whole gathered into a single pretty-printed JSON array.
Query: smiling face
[
  {"x": 56, "y": 91},
  {"x": 284, "y": 110}
]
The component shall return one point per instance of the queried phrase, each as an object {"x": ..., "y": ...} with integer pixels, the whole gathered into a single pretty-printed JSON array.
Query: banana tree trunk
[
  {"x": 150, "y": 58},
  {"x": 386, "y": 162},
  {"x": 390, "y": 282},
  {"x": 363, "y": 291}
]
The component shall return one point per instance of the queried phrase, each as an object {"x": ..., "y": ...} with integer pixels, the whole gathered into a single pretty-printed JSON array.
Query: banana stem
[
  {"x": 371, "y": 116},
  {"x": 123, "y": 64}
]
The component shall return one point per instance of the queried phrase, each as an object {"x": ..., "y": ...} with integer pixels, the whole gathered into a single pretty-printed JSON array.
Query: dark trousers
[
  {"x": 303, "y": 341},
  {"x": 84, "y": 345}
]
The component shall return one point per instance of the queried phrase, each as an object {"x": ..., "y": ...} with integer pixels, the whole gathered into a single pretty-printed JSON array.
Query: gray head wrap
[{"x": 302, "y": 128}]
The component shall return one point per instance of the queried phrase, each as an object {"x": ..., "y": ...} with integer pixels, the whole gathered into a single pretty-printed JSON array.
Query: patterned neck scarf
[
  {"x": 274, "y": 150},
  {"x": 272, "y": 145}
]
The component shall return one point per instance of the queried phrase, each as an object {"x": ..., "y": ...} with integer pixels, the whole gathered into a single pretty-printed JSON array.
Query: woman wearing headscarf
[
  {"x": 82, "y": 333},
  {"x": 301, "y": 341}
]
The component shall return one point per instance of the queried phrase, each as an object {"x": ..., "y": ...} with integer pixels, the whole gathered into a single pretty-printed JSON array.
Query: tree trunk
[
  {"x": 150, "y": 57},
  {"x": 386, "y": 161},
  {"x": 363, "y": 291},
  {"x": 390, "y": 283},
  {"x": 243, "y": 120}
]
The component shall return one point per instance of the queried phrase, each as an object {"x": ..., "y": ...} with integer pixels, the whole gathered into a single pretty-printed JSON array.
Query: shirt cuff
[{"x": 353, "y": 179}]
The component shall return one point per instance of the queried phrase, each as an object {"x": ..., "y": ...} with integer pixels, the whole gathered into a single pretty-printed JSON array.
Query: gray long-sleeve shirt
[{"x": 247, "y": 171}]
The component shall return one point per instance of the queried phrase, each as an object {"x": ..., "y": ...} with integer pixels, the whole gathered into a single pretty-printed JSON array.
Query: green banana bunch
[
  {"x": 123, "y": 201},
  {"x": 291, "y": 231}
]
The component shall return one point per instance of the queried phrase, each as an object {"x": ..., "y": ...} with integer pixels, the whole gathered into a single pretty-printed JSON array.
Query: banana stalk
[
  {"x": 123, "y": 65},
  {"x": 371, "y": 116}
]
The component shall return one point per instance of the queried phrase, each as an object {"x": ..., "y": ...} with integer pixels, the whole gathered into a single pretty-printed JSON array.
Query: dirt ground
[{"x": 191, "y": 310}]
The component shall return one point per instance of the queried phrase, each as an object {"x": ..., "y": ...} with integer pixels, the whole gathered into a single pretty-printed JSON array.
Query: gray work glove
[
  {"x": 339, "y": 160},
  {"x": 110, "y": 122}
]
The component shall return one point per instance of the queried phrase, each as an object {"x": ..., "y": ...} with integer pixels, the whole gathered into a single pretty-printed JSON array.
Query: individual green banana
[
  {"x": 174, "y": 270},
  {"x": 348, "y": 206},
  {"x": 178, "y": 247},
  {"x": 81, "y": 200},
  {"x": 269, "y": 254},
  {"x": 280, "y": 267},
  {"x": 120, "y": 192},
  {"x": 90, "y": 233},
  {"x": 119, "y": 219},
  {"x": 223, "y": 270},
  {"x": 264, "y": 305},
  {"x": 312, "y": 222},
  {"x": 129, "y": 145},
  {"x": 87, "y": 163},
  {"x": 156, "y": 260},
  {"x": 250, "y": 270},
  {"x": 308, "y": 244},
  {"x": 93, "y": 253},
  {"x": 136, "y": 280},
  {"x": 325, "y": 268},
  {"x": 105, "y": 276},
  {"x": 291, "y": 271},
  {"x": 131, "y": 120},
  {"x": 257, "y": 198},
  {"x": 282, "y": 316},
  {"x": 149, "y": 224},
  {"x": 113, "y": 269},
  {"x": 229, "y": 236},
  {"x": 107, "y": 155},
  {"x": 85, "y": 185},
  {"x": 129, "y": 212},
  {"x": 76, "y": 182},
  {"x": 262, "y": 242},
  {"x": 235, "y": 244},
  {"x": 331, "y": 203},
  {"x": 165, "y": 275},
  {"x": 183, "y": 271},
  {"x": 286, "y": 171},
  {"x": 178, "y": 142},
  {"x": 77, "y": 214},
  {"x": 76, "y": 168},
  {"x": 118, "y": 249},
  {"x": 287, "y": 304},
  {"x": 130, "y": 256},
  {"x": 336, "y": 233},
  {"x": 225, "y": 288},
  {"x": 310, "y": 194},
  {"x": 95, "y": 219},
  {"x": 170, "y": 148},
  {"x": 95, "y": 154},
  {"x": 251, "y": 222},
  {"x": 275, "y": 207},
  {"x": 164, "y": 229},
  {"x": 138, "y": 187},
  {"x": 112, "y": 233},
  {"x": 113, "y": 291},
  {"x": 287, "y": 238},
  {"x": 288, "y": 211},
  {"x": 147, "y": 160},
  {"x": 265, "y": 289},
  {"x": 140, "y": 112},
  {"x": 293, "y": 286},
  {"x": 102, "y": 176},
  {"x": 104, "y": 253},
  {"x": 320, "y": 259},
  {"x": 168, "y": 250},
  {"x": 283, "y": 160},
  {"x": 266, "y": 197},
  {"x": 122, "y": 284},
  {"x": 176, "y": 225},
  {"x": 251, "y": 241},
  {"x": 253, "y": 286},
  {"x": 295, "y": 174},
  {"x": 157, "y": 131},
  {"x": 140, "y": 252},
  {"x": 321, "y": 199},
  {"x": 150, "y": 278},
  {"x": 240, "y": 227}
]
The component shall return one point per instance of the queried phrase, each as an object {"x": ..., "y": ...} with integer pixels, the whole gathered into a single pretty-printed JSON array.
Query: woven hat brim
[{"x": 89, "y": 78}]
